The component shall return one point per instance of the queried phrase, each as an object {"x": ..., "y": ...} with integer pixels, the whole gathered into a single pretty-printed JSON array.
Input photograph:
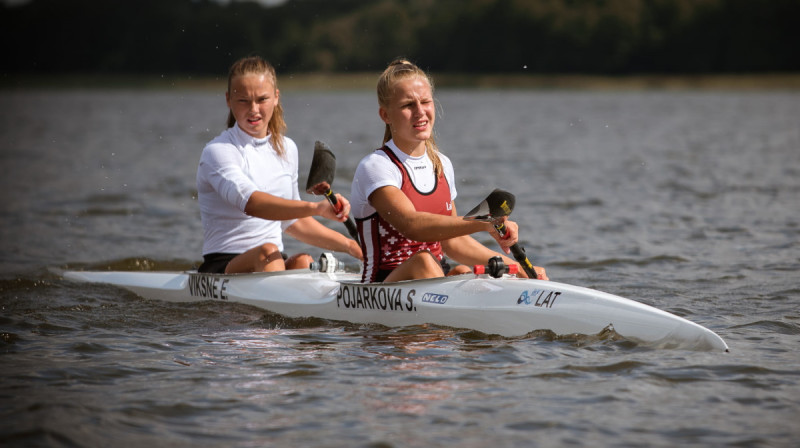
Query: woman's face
[
  {"x": 252, "y": 99},
  {"x": 410, "y": 114}
]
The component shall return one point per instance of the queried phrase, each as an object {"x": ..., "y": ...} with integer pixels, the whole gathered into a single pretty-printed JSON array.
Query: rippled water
[{"x": 687, "y": 201}]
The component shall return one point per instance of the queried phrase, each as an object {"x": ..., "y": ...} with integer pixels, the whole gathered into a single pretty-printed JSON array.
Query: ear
[
  {"x": 383, "y": 114},
  {"x": 277, "y": 96}
]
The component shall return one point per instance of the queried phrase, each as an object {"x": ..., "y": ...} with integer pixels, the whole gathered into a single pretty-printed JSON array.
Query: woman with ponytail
[
  {"x": 403, "y": 193},
  {"x": 247, "y": 184}
]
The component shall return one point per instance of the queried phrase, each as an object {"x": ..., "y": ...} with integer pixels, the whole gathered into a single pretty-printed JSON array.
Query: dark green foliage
[{"x": 202, "y": 37}]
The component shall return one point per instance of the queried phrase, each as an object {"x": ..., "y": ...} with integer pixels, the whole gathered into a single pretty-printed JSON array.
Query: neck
[{"x": 414, "y": 149}]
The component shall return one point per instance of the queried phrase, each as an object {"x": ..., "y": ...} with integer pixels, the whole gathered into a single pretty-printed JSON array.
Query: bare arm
[
  {"x": 312, "y": 232},
  {"x": 397, "y": 209},
  {"x": 266, "y": 206},
  {"x": 468, "y": 251}
]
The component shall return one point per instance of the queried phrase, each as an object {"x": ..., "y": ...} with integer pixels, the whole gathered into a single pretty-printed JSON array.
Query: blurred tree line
[{"x": 202, "y": 37}]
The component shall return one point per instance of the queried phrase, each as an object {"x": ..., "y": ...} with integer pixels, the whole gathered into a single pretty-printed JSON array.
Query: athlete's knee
[
  {"x": 299, "y": 261},
  {"x": 269, "y": 252},
  {"x": 429, "y": 263},
  {"x": 459, "y": 269}
]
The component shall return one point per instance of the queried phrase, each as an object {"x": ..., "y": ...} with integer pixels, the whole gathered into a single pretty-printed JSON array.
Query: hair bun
[{"x": 401, "y": 62}]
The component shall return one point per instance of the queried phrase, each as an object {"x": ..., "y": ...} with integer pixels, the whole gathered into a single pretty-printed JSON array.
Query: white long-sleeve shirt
[{"x": 233, "y": 166}]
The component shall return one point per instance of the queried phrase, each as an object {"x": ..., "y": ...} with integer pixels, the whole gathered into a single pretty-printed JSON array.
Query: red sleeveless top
[{"x": 383, "y": 247}]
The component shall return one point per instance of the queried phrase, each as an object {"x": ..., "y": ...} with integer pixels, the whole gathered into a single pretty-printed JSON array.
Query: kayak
[{"x": 505, "y": 305}]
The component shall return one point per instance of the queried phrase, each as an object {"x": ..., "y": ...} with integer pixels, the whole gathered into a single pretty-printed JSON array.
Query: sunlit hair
[
  {"x": 255, "y": 65},
  {"x": 401, "y": 70}
]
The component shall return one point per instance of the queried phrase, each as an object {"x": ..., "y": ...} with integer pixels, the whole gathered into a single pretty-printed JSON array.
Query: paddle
[
  {"x": 320, "y": 178},
  {"x": 500, "y": 203}
]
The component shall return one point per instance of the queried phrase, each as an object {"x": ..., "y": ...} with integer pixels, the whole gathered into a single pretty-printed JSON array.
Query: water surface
[{"x": 687, "y": 201}]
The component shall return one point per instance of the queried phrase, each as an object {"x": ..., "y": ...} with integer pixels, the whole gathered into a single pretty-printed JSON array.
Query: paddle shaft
[
  {"x": 518, "y": 252},
  {"x": 351, "y": 226}
]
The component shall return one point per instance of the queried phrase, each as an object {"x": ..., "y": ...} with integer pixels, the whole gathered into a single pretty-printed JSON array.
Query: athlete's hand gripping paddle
[
  {"x": 498, "y": 204},
  {"x": 320, "y": 178}
]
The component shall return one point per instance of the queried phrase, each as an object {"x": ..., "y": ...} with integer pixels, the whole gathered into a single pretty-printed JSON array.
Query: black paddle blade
[
  {"x": 323, "y": 168},
  {"x": 499, "y": 203}
]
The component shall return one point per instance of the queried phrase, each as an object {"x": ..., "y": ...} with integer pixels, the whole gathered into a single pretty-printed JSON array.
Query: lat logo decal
[{"x": 538, "y": 297}]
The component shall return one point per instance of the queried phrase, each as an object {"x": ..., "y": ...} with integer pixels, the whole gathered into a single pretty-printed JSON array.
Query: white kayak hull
[{"x": 506, "y": 306}]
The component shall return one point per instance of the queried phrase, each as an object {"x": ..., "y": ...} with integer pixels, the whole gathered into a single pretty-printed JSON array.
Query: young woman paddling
[
  {"x": 247, "y": 184},
  {"x": 402, "y": 194}
]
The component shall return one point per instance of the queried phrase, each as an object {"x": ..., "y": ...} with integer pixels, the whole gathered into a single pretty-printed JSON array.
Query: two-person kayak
[{"x": 506, "y": 306}]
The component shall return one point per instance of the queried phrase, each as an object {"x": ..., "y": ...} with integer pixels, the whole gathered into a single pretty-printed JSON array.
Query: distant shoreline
[{"x": 366, "y": 81}]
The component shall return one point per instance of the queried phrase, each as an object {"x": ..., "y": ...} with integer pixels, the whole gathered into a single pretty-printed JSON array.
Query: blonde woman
[
  {"x": 247, "y": 184},
  {"x": 403, "y": 193}
]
